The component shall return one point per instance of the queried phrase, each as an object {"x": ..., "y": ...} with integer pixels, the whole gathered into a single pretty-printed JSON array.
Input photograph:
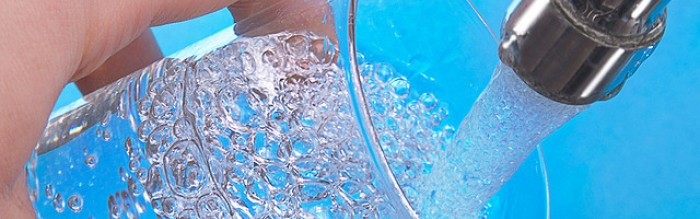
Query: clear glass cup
[{"x": 338, "y": 115}]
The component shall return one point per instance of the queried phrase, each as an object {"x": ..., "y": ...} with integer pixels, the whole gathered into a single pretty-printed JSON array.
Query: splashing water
[{"x": 503, "y": 127}]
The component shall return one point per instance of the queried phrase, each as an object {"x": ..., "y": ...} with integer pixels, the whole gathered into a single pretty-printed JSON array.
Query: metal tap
[{"x": 580, "y": 51}]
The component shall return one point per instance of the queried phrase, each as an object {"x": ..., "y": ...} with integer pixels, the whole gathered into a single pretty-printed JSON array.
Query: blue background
[{"x": 635, "y": 156}]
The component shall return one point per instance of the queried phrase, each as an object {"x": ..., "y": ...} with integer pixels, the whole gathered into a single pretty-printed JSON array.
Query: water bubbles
[
  {"x": 449, "y": 131},
  {"x": 134, "y": 164},
  {"x": 114, "y": 207},
  {"x": 50, "y": 191},
  {"x": 128, "y": 147},
  {"x": 134, "y": 187},
  {"x": 212, "y": 206},
  {"x": 169, "y": 206},
  {"x": 384, "y": 72},
  {"x": 322, "y": 51},
  {"x": 58, "y": 203},
  {"x": 155, "y": 181},
  {"x": 296, "y": 45},
  {"x": 123, "y": 174},
  {"x": 91, "y": 160},
  {"x": 75, "y": 203},
  {"x": 428, "y": 101},
  {"x": 269, "y": 57},
  {"x": 302, "y": 147},
  {"x": 251, "y": 132},
  {"x": 401, "y": 87},
  {"x": 367, "y": 71},
  {"x": 311, "y": 192},
  {"x": 188, "y": 214},
  {"x": 276, "y": 176},
  {"x": 141, "y": 174},
  {"x": 145, "y": 129},
  {"x": 159, "y": 141},
  {"x": 249, "y": 64},
  {"x": 183, "y": 165}
]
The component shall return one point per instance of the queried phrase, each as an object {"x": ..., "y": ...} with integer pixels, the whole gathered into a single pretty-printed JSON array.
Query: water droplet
[
  {"x": 58, "y": 203},
  {"x": 313, "y": 191},
  {"x": 91, "y": 160},
  {"x": 128, "y": 147},
  {"x": 187, "y": 214},
  {"x": 183, "y": 128},
  {"x": 145, "y": 129},
  {"x": 144, "y": 107},
  {"x": 122, "y": 173},
  {"x": 107, "y": 135},
  {"x": 276, "y": 176},
  {"x": 296, "y": 45},
  {"x": 270, "y": 58},
  {"x": 401, "y": 87},
  {"x": 384, "y": 72},
  {"x": 154, "y": 184},
  {"x": 428, "y": 101},
  {"x": 169, "y": 206},
  {"x": 448, "y": 130},
  {"x": 158, "y": 142},
  {"x": 302, "y": 147},
  {"x": 141, "y": 174},
  {"x": 50, "y": 191},
  {"x": 75, "y": 203},
  {"x": 134, "y": 187},
  {"x": 183, "y": 166},
  {"x": 212, "y": 206},
  {"x": 114, "y": 206},
  {"x": 249, "y": 64},
  {"x": 134, "y": 165}
]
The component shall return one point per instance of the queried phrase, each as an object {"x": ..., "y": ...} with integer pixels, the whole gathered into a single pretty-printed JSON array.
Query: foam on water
[{"x": 260, "y": 128}]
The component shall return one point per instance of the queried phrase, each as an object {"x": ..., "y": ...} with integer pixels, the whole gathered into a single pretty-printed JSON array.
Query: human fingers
[
  {"x": 114, "y": 24},
  {"x": 141, "y": 52}
]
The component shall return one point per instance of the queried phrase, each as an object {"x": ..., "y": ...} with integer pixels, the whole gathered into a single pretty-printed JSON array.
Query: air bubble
[
  {"x": 384, "y": 72},
  {"x": 187, "y": 214},
  {"x": 134, "y": 164},
  {"x": 50, "y": 191},
  {"x": 58, "y": 203},
  {"x": 75, "y": 203},
  {"x": 115, "y": 208},
  {"x": 122, "y": 174},
  {"x": 401, "y": 87},
  {"x": 212, "y": 206},
  {"x": 134, "y": 187},
  {"x": 270, "y": 58},
  {"x": 169, "y": 206},
  {"x": 106, "y": 134},
  {"x": 428, "y": 101},
  {"x": 91, "y": 160},
  {"x": 183, "y": 166}
]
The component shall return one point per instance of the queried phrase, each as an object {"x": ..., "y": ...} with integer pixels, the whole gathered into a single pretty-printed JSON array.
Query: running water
[
  {"x": 260, "y": 128},
  {"x": 503, "y": 127}
]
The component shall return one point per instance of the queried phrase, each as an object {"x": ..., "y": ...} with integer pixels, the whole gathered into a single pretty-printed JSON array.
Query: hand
[{"x": 46, "y": 44}]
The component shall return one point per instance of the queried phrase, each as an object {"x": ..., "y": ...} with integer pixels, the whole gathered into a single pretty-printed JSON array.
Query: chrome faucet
[{"x": 580, "y": 51}]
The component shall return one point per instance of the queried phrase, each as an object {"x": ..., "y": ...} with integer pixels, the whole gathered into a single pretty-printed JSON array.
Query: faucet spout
[{"x": 580, "y": 51}]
